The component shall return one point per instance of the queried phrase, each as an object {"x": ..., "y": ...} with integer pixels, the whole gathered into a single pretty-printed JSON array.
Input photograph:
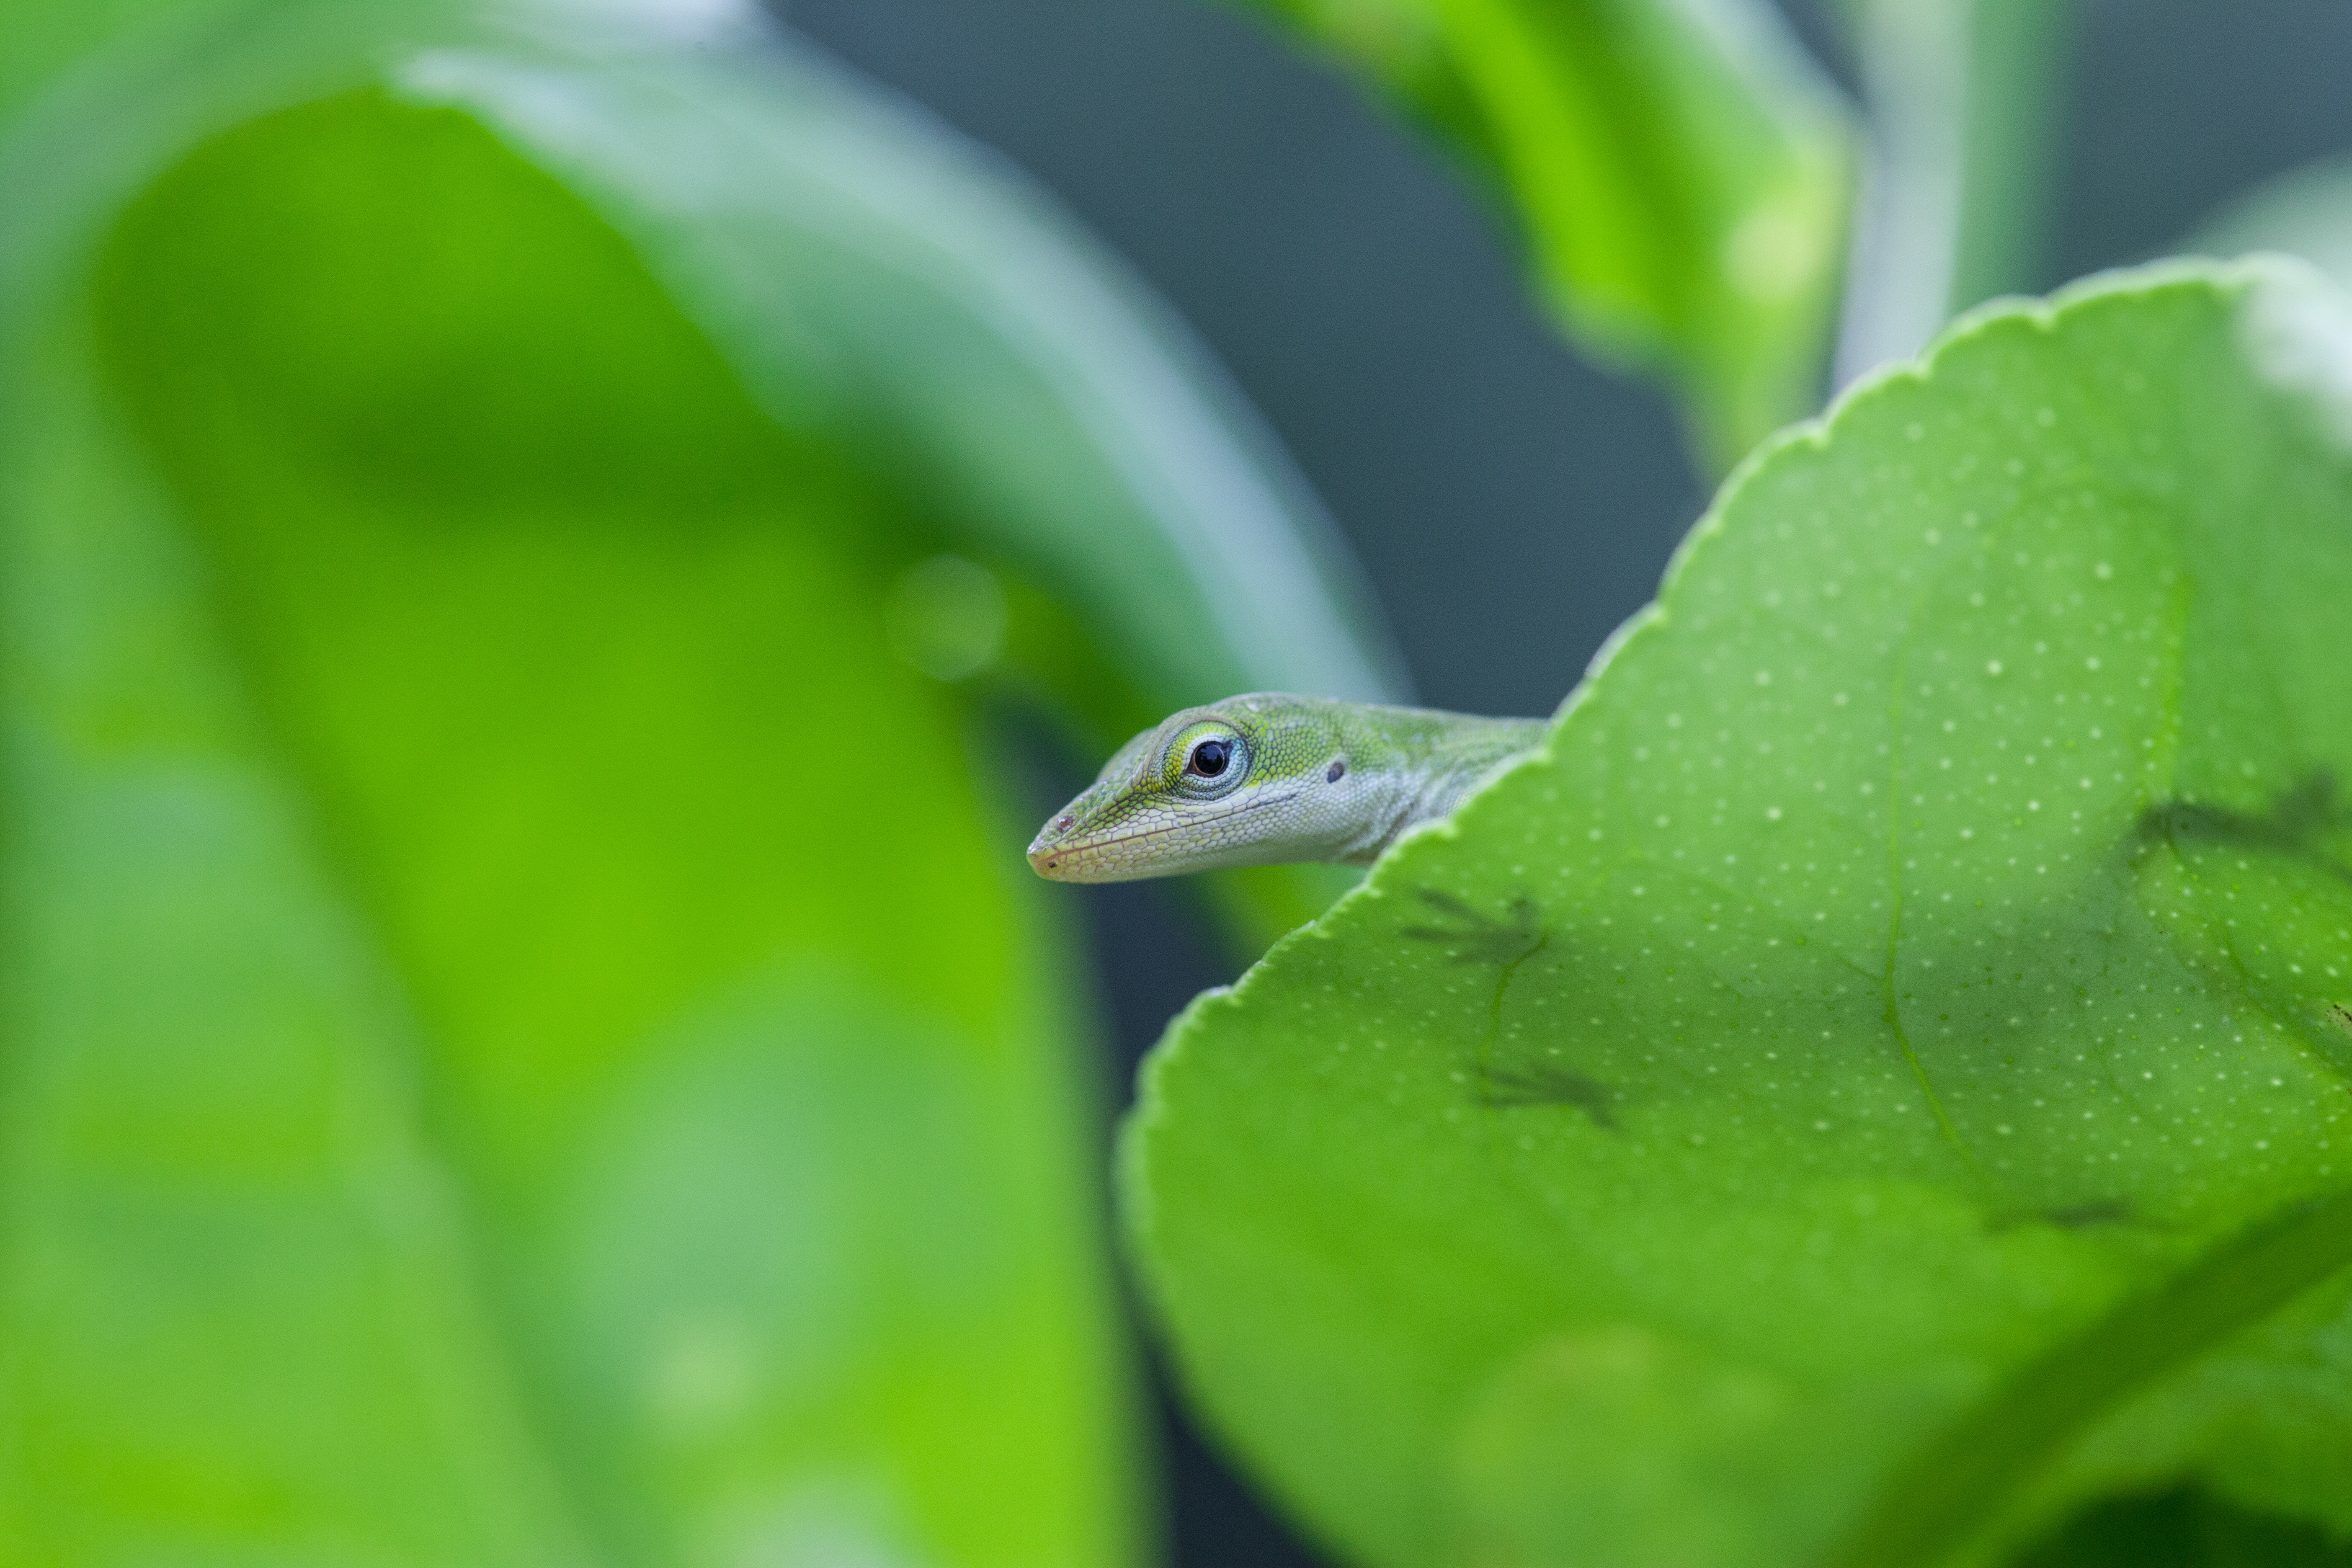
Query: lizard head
[{"x": 1235, "y": 784}]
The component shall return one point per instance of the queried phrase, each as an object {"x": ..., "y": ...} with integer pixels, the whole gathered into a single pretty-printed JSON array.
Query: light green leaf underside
[
  {"x": 1679, "y": 171},
  {"x": 771, "y": 1187},
  {"x": 1930, "y": 933},
  {"x": 865, "y": 279},
  {"x": 530, "y": 1036}
]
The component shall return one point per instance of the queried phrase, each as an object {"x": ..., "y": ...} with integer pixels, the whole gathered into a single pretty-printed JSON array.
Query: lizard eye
[{"x": 1207, "y": 761}]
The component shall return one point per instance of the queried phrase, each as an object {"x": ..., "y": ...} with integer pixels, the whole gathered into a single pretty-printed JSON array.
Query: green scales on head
[{"x": 1268, "y": 778}]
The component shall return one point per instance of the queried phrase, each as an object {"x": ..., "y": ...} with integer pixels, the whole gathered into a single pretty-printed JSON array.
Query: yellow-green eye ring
[{"x": 1207, "y": 759}]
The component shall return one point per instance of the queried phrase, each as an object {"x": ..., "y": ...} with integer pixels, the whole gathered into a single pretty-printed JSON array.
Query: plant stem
[{"x": 1963, "y": 99}]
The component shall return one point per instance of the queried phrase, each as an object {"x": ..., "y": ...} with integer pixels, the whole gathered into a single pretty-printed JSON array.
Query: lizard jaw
[{"x": 1132, "y": 854}]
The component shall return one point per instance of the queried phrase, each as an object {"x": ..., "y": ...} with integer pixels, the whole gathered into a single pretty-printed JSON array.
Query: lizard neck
[{"x": 1420, "y": 763}]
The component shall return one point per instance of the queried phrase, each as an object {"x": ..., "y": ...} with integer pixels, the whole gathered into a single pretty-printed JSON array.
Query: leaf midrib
[
  {"x": 1946, "y": 1491},
  {"x": 1890, "y": 992}
]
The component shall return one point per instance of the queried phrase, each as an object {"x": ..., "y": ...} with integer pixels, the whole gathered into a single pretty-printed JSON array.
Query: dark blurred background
[{"x": 1511, "y": 502}]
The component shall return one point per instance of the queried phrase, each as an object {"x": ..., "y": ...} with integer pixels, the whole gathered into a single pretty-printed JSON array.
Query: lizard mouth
[{"x": 1081, "y": 858}]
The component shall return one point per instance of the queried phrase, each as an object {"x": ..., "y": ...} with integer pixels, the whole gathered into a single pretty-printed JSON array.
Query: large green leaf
[
  {"x": 1881, "y": 1075},
  {"x": 1678, "y": 168},
  {"x": 530, "y": 1036}
]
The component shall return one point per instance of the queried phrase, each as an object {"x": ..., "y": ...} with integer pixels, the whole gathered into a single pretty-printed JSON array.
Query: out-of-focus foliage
[
  {"x": 2183, "y": 1527},
  {"x": 2305, "y": 212},
  {"x": 1877, "y": 1081},
  {"x": 1964, "y": 105},
  {"x": 1679, "y": 169},
  {"x": 528, "y": 1036}
]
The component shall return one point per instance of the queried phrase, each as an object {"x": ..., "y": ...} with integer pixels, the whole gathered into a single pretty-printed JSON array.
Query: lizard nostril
[{"x": 1063, "y": 824}]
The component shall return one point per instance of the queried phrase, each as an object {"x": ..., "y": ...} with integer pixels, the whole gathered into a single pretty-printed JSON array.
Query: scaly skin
[{"x": 1270, "y": 778}]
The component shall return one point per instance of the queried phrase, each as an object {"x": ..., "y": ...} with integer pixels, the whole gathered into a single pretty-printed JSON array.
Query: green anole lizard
[{"x": 1268, "y": 778}]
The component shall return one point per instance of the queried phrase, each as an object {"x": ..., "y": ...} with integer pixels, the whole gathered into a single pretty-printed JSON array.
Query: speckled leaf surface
[
  {"x": 1879, "y": 1077},
  {"x": 1679, "y": 173}
]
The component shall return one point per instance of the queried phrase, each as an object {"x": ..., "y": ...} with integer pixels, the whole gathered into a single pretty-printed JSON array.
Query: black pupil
[{"x": 1210, "y": 757}]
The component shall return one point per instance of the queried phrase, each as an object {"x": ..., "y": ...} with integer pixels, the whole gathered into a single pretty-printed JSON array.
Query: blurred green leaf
[
  {"x": 530, "y": 1036},
  {"x": 1848, "y": 1100},
  {"x": 1677, "y": 166}
]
